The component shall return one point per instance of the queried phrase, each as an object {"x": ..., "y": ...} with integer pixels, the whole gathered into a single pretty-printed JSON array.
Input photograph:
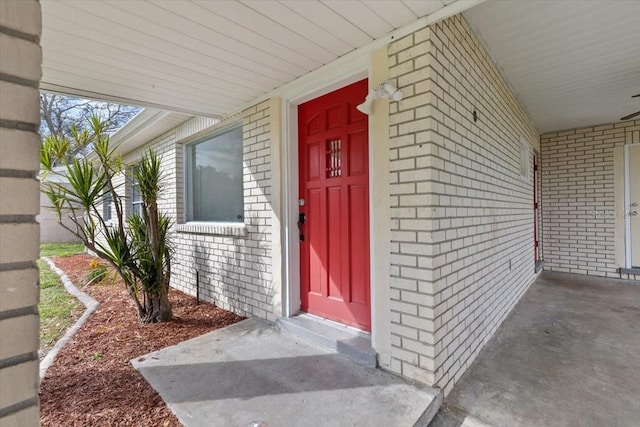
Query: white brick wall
[
  {"x": 578, "y": 181},
  {"x": 20, "y": 57},
  {"x": 235, "y": 271},
  {"x": 462, "y": 217},
  {"x": 234, "y": 263}
]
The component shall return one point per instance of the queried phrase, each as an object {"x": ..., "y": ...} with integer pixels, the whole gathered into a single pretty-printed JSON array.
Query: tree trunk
[{"x": 158, "y": 307}]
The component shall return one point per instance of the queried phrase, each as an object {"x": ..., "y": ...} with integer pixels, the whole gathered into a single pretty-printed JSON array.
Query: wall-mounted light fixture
[{"x": 384, "y": 90}]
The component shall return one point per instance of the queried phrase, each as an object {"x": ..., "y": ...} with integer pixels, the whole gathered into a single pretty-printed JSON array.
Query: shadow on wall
[{"x": 233, "y": 278}]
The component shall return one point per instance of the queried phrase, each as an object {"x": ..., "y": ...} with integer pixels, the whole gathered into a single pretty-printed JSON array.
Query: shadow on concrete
[
  {"x": 251, "y": 371},
  {"x": 245, "y": 379}
]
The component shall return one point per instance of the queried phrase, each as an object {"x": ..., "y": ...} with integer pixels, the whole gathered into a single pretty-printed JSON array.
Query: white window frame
[
  {"x": 133, "y": 205},
  {"x": 107, "y": 208},
  {"x": 525, "y": 160},
  {"x": 235, "y": 228}
]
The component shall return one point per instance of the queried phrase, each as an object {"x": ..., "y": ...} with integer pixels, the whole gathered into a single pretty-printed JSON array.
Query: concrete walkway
[
  {"x": 252, "y": 374},
  {"x": 569, "y": 355}
]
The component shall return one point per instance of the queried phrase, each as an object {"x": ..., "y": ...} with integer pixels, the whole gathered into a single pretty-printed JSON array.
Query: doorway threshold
[
  {"x": 345, "y": 340},
  {"x": 631, "y": 270}
]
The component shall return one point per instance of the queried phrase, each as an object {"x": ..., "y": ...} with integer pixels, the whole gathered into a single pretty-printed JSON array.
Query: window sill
[{"x": 236, "y": 229}]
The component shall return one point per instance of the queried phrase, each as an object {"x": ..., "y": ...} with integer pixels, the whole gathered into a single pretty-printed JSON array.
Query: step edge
[{"x": 366, "y": 356}]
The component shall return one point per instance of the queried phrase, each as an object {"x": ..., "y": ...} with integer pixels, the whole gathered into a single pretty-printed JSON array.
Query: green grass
[
  {"x": 56, "y": 305},
  {"x": 60, "y": 249}
]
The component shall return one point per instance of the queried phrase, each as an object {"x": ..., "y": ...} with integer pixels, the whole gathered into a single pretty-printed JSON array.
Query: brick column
[{"x": 20, "y": 59}]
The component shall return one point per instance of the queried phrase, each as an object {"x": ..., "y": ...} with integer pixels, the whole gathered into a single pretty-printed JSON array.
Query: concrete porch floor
[
  {"x": 253, "y": 375},
  {"x": 568, "y": 355}
]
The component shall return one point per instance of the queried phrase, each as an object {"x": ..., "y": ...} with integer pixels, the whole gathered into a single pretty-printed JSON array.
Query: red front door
[{"x": 334, "y": 200}]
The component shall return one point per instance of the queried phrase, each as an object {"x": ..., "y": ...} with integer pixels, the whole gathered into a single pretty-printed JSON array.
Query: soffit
[
  {"x": 570, "y": 63},
  {"x": 205, "y": 57},
  {"x": 147, "y": 125}
]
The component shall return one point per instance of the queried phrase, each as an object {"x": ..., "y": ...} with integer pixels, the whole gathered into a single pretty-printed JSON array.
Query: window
[
  {"x": 524, "y": 159},
  {"x": 136, "y": 196},
  {"x": 214, "y": 178},
  {"x": 107, "y": 200}
]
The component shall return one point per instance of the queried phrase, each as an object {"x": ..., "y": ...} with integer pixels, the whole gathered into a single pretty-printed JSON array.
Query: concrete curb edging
[{"x": 90, "y": 304}]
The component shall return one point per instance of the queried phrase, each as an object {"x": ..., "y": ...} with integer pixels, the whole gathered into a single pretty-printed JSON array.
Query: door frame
[
  {"x": 291, "y": 187},
  {"x": 372, "y": 65},
  {"x": 622, "y": 220},
  {"x": 627, "y": 202},
  {"x": 537, "y": 214},
  {"x": 316, "y": 304},
  {"x": 629, "y": 254}
]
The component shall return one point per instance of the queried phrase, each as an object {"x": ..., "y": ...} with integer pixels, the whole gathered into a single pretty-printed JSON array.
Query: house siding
[
  {"x": 462, "y": 217},
  {"x": 165, "y": 146},
  {"x": 578, "y": 198}
]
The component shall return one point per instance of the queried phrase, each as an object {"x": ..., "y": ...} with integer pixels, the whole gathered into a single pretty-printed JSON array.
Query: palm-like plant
[{"x": 138, "y": 247}]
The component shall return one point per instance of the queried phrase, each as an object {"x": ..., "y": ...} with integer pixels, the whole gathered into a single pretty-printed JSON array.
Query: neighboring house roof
[{"x": 58, "y": 174}]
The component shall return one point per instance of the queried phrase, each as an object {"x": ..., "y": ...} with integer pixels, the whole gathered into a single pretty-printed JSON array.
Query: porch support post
[
  {"x": 277, "y": 233},
  {"x": 380, "y": 213},
  {"x": 20, "y": 70}
]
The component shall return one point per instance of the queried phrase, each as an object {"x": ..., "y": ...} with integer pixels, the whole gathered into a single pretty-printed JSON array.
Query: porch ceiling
[
  {"x": 570, "y": 63},
  {"x": 205, "y": 57}
]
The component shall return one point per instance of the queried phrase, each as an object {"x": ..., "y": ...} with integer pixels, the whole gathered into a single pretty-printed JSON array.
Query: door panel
[
  {"x": 359, "y": 232},
  {"x": 358, "y": 153},
  {"x": 313, "y": 173},
  {"x": 334, "y": 237},
  {"x": 315, "y": 231},
  {"x": 333, "y": 180},
  {"x": 634, "y": 206},
  {"x": 334, "y": 117}
]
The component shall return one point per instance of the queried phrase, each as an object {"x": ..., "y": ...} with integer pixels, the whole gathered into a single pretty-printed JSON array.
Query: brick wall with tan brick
[
  {"x": 578, "y": 198},
  {"x": 20, "y": 58},
  {"x": 462, "y": 217}
]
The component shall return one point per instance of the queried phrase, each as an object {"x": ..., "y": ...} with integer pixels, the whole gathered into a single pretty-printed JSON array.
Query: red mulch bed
[{"x": 91, "y": 382}]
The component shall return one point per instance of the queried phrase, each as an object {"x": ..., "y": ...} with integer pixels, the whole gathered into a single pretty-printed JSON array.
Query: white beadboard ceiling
[
  {"x": 570, "y": 63},
  {"x": 205, "y": 57}
]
